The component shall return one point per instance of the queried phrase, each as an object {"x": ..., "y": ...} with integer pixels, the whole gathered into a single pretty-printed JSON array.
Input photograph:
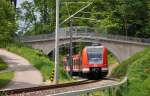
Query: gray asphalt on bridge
[{"x": 122, "y": 47}]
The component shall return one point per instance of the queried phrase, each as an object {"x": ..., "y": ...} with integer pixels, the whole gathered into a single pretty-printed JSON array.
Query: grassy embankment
[
  {"x": 40, "y": 61},
  {"x": 138, "y": 69},
  {"x": 5, "y": 77}
]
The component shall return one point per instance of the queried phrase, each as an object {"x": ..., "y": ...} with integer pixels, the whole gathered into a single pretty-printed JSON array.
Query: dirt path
[{"x": 25, "y": 74}]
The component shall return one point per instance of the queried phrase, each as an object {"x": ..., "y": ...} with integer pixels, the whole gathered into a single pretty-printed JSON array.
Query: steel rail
[
  {"x": 90, "y": 90},
  {"x": 46, "y": 87}
]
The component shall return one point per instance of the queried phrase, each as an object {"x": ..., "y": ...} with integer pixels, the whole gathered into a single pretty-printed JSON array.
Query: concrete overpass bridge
[{"x": 122, "y": 47}]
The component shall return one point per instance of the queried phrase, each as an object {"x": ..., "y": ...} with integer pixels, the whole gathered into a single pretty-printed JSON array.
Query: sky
[
  {"x": 21, "y": 1},
  {"x": 22, "y": 23}
]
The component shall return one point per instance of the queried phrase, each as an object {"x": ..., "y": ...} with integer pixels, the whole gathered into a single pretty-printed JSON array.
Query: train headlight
[
  {"x": 85, "y": 70},
  {"x": 104, "y": 69}
]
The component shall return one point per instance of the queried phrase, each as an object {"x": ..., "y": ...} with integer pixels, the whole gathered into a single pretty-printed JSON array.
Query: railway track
[{"x": 54, "y": 89}]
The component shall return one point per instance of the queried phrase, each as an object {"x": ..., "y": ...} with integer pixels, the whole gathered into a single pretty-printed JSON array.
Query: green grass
[
  {"x": 63, "y": 76},
  {"x": 138, "y": 69},
  {"x": 40, "y": 61},
  {"x": 5, "y": 78},
  {"x": 122, "y": 69},
  {"x": 111, "y": 59},
  {"x": 3, "y": 65}
]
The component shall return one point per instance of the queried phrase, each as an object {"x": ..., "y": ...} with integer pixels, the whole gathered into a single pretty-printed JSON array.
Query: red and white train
[{"x": 92, "y": 62}]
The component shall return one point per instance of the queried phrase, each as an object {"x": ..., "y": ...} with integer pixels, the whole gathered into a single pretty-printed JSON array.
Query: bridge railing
[
  {"x": 37, "y": 37},
  {"x": 128, "y": 38},
  {"x": 113, "y": 37},
  {"x": 91, "y": 32},
  {"x": 84, "y": 31}
]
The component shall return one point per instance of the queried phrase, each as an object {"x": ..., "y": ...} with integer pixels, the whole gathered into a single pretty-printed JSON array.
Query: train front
[{"x": 94, "y": 61}]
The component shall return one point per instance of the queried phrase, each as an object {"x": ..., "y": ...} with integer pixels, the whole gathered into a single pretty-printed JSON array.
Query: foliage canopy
[
  {"x": 123, "y": 17},
  {"x": 7, "y": 21}
]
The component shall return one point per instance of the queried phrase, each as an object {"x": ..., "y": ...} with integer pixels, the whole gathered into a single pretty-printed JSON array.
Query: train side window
[
  {"x": 67, "y": 61},
  {"x": 80, "y": 60},
  {"x": 77, "y": 61}
]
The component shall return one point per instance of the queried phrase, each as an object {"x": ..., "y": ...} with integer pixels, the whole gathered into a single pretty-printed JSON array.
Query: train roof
[{"x": 94, "y": 47}]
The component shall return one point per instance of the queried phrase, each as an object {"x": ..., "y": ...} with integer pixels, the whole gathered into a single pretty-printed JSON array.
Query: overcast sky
[
  {"x": 21, "y": 23},
  {"x": 21, "y": 1}
]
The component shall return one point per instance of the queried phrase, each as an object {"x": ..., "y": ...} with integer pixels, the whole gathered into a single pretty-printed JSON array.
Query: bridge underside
[{"x": 122, "y": 50}]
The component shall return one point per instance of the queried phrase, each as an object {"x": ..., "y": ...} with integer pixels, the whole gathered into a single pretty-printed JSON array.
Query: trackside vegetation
[
  {"x": 40, "y": 61},
  {"x": 3, "y": 65},
  {"x": 138, "y": 69},
  {"x": 5, "y": 77}
]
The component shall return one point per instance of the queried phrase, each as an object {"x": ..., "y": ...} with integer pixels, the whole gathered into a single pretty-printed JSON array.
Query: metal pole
[
  {"x": 56, "y": 43},
  {"x": 70, "y": 54}
]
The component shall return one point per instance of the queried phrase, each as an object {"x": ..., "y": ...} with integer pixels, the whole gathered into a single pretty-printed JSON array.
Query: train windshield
[{"x": 95, "y": 55}]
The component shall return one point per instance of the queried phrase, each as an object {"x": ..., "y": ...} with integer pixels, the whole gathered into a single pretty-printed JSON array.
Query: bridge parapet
[
  {"x": 83, "y": 31},
  {"x": 122, "y": 47}
]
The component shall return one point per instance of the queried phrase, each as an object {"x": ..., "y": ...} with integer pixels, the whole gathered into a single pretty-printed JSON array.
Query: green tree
[
  {"x": 7, "y": 21},
  {"x": 39, "y": 15},
  {"x": 123, "y": 17},
  {"x": 134, "y": 16}
]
